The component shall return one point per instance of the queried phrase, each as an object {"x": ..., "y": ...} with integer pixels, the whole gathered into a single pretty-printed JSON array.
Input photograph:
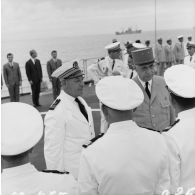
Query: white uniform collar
[
  {"x": 119, "y": 126},
  {"x": 16, "y": 171},
  {"x": 64, "y": 94}
]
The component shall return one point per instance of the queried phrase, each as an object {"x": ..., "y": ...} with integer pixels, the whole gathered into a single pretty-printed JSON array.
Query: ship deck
[{"x": 37, "y": 156}]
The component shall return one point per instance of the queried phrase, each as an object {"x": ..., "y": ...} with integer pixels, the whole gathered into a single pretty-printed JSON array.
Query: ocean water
[{"x": 80, "y": 47}]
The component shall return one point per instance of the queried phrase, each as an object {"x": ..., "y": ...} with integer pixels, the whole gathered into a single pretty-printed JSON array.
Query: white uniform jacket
[
  {"x": 182, "y": 135},
  {"x": 179, "y": 51},
  {"x": 169, "y": 54},
  {"x": 27, "y": 180},
  {"x": 160, "y": 53},
  {"x": 190, "y": 61},
  {"x": 66, "y": 130},
  {"x": 127, "y": 160}
]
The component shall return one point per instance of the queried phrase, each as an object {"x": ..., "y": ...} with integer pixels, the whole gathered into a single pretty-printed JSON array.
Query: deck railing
[{"x": 25, "y": 88}]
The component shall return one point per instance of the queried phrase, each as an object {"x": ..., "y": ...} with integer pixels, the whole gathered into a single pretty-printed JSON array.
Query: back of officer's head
[
  {"x": 119, "y": 96},
  {"x": 22, "y": 128},
  {"x": 180, "y": 80}
]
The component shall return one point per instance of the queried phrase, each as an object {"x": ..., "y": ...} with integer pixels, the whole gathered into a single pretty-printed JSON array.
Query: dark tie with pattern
[
  {"x": 82, "y": 108},
  {"x": 147, "y": 89}
]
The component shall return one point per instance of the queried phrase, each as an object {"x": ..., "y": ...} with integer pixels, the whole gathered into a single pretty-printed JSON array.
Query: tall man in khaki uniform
[
  {"x": 12, "y": 77},
  {"x": 52, "y": 65},
  {"x": 169, "y": 54},
  {"x": 179, "y": 50},
  {"x": 160, "y": 57},
  {"x": 156, "y": 112}
]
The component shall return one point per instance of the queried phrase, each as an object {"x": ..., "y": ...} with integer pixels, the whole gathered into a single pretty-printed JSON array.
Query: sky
[{"x": 25, "y": 19}]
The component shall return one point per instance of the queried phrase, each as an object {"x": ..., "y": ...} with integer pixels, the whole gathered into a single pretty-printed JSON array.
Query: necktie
[
  {"x": 190, "y": 58},
  {"x": 113, "y": 64},
  {"x": 82, "y": 108},
  {"x": 147, "y": 89}
]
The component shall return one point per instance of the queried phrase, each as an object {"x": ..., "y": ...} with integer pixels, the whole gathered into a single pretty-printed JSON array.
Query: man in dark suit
[
  {"x": 52, "y": 65},
  {"x": 34, "y": 75},
  {"x": 12, "y": 76}
]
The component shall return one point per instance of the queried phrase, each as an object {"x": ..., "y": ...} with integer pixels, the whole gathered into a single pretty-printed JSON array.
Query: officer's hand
[{"x": 30, "y": 82}]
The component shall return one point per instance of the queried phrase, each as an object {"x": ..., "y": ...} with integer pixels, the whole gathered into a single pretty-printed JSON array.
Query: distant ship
[{"x": 128, "y": 31}]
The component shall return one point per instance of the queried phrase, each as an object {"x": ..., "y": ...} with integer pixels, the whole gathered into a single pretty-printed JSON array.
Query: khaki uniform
[
  {"x": 179, "y": 53},
  {"x": 155, "y": 113}
]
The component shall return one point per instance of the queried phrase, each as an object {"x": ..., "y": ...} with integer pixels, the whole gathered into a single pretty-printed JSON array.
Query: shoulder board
[
  {"x": 93, "y": 140},
  {"x": 55, "y": 171},
  {"x": 168, "y": 128},
  {"x": 53, "y": 106}
]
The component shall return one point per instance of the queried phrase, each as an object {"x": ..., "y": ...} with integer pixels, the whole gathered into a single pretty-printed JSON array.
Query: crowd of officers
[
  {"x": 147, "y": 140},
  {"x": 165, "y": 56}
]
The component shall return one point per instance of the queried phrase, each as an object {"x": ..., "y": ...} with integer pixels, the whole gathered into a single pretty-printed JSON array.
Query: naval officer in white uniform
[
  {"x": 180, "y": 81},
  {"x": 190, "y": 59},
  {"x": 68, "y": 123},
  {"x": 21, "y": 130},
  {"x": 128, "y": 159}
]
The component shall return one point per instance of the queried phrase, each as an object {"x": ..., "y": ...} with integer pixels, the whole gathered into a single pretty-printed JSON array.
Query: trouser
[
  {"x": 161, "y": 68},
  {"x": 14, "y": 91},
  {"x": 56, "y": 87},
  {"x": 179, "y": 61},
  {"x": 35, "y": 87}
]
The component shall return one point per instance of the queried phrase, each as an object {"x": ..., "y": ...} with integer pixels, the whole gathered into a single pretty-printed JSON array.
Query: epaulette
[
  {"x": 93, "y": 140},
  {"x": 55, "y": 171},
  {"x": 53, "y": 106},
  {"x": 169, "y": 127}
]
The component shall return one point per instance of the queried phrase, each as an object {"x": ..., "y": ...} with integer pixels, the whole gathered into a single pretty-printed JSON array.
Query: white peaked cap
[
  {"x": 113, "y": 46},
  {"x": 139, "y": 45},
  {"x": 181, "y": 80},
  {"x": 21, "y": 129},
  {"x": 180, "y": 36},
  {"x": 119, "y": 93}
]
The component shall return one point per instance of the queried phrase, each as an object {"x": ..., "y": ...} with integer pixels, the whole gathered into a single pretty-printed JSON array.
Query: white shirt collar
[
  {"x": 33, "y": 59},
  {"x": 144, "y": 84},
  {"x": 118, "y": 126},
  {"x": 16, "y": 171},
  {"x": 72, "y": 99}
]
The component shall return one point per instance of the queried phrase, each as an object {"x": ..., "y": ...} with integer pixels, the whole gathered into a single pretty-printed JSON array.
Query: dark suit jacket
[
  {"x": 12, "y": 75},
  {"x": 52, "y": 66},
  {"x": 34, "y": 71}
]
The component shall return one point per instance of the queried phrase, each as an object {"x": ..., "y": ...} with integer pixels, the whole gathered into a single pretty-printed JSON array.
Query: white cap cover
[
  {"x": 119, "y": 93},
  {"x": 181, "y": 80},
  {"x": 22, "y": 128}
]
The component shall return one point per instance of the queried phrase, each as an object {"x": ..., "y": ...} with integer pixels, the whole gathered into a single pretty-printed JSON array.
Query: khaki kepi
[{"x": 143, "y": 56}]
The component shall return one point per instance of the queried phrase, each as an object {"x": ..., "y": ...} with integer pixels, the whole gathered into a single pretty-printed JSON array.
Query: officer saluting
[
  {"x": 68, "y": 123},
  {"x": 18, "y": 139},
  {"x": 180, "y": 80}
]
